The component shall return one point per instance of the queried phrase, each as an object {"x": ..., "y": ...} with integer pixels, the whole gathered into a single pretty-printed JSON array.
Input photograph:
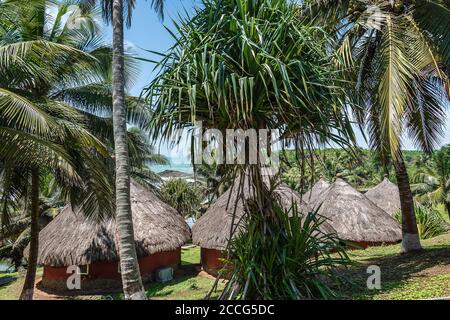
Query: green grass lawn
[
  {"x": 184, "y": 287},
  {"x": 189, "y": 287},
  {"x": 8, "y": 274},
  {"x": 422, "y": 275},
  {"x": 443, "y": 212},
  {"x": 412, "y": 276},
  {"x": 12, "y": 290},
  {"x": 190, "y": 256}
]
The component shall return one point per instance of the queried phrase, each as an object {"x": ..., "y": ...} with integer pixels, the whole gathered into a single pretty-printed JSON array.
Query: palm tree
[
  {"x": 215, "y": 180},
  {"x": 432, "y": 183},
  {"x": 53, "y": 77},
  {"x": 70, "y": 173},
  {"x": 113, "y": 12},
  {"x": 25, "y": 153},
  {"x": 52, "y": 80},
  {"x": 142, "y": 156},
  {"x": 398, "y": 54},
  {"x": 15, "y": 228},
  {"x": 62, "y": 93}
]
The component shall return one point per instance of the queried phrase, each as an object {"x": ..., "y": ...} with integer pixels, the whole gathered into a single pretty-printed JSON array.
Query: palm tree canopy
[
  {"x": 398, "y": 52},
  {"x": 56, "y": 106},
  {"x": 129, "y": 5},
  {"x": 432, "y": 183}
]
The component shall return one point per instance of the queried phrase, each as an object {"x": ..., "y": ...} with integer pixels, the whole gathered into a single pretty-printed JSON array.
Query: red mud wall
[
  {"x": 109, "y": 270},
  {"x": 161, "y": 259},
  {"x": 210, "y": 259}
]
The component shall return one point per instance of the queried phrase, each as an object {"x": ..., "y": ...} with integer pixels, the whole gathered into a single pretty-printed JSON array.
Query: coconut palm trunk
[
  {"x": 28, "y": 286},
  {"x": 447, "y": 206},
  {"x": 410, "y": 234},
  {"x": 131, "y": 277}
]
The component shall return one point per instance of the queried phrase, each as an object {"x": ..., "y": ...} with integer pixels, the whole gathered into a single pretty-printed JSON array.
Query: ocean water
[
  {"x": 177, "y": 164},
  {"x": 190, "y": 222},
  {"x": 4, "y": 265}
]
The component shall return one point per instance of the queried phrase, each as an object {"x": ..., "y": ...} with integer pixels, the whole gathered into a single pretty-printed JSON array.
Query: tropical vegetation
[
  {"x": 430, "y": 223},
  {"x": 315, "y": 72},
  {"x": 42, "y": 131},
  {"x": 432, "y": 182},
  {"x": 280, "y": 266},
  {"x": 186, "y": 197},
  {"x": 55, "y": 115},
  {"x": 117, "y": 12},
  {"x": 397, "y": 53}
]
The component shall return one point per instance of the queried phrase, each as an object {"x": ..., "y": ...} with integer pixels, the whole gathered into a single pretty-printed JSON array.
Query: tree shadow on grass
[
  {"x": 7, "y": 280},
  {"x": 158, "y": 289},
  {"x": 395, "y": 270}
]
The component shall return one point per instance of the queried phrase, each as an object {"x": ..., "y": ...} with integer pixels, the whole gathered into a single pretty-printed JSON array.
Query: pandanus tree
[
  {"x": 398, "y": 53},
  {"x": 249, "y": 64},
  {"x": 233, "y": 67}
]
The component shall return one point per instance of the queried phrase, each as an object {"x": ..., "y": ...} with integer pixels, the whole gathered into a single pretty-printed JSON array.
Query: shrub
[
  {"x": 290, "y": 259},
  {"x": 185, "y": 197},
  {"x": 429, "y": 222}
]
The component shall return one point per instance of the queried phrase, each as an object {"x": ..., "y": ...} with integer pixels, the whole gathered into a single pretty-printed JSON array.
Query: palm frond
[
  {"x": 433, "y": 16},
  {"x": 20, "y": 113},
  {"x": 394, "y": 83}
]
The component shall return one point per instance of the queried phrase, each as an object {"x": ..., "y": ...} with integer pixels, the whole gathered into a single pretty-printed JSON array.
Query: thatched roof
[
  {"x": 355, "y": 217},
  {"x": 316, "y": 191},
  {"x": 386, "y": 196},
  {"x": 212, "y": 229},
  {"x": 70, "y": 239}
]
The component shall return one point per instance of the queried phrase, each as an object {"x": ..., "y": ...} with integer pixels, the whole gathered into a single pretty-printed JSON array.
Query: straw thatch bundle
[
  {"x": 70, "y": 239},
  {"x": 212, "y": 229},
  {"x": 356, "y": 218},
  {"x": 316, "y": 191},
  {"x": 386, "y": 196}
]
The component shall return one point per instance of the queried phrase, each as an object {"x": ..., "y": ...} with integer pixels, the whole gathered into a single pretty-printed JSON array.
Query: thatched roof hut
[
  {"x": 316, "y": 191},
  {"x": 70, "y": 239},
  {"x": 356, "y": 218},
  {"x": 386, "y": 196},
  {"x": 212, "y": 229}
]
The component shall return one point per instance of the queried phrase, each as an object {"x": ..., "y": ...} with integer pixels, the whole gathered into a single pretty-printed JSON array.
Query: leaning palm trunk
[
  {"x": 410, "y": 234},
  {"x": 131, "y": 277},
  {"x": 28, "y": 286}
]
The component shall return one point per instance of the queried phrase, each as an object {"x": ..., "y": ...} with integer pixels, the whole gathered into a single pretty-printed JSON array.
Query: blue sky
[{"x": 148, "y": 33}]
